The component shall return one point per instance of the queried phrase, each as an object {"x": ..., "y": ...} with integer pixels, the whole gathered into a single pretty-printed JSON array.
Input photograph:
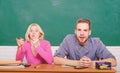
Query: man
[{"x": 80, "y": 49}]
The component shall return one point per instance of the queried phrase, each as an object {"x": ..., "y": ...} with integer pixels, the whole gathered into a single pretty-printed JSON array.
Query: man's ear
[
  {"x": 90, "y": 32},
  {"x": 75, "y": 31}
]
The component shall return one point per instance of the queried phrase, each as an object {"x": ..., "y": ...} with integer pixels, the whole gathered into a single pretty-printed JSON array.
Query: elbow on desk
[
  {"x": 57, "y": 60},
  {"x": 49, "y": 60},
  {"x": 114, "y": 63}
]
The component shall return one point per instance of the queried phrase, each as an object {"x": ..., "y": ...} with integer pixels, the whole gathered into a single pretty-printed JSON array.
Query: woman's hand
[
  {"x": 19, "y": 41},
  {"x": 35, "y": 43}
]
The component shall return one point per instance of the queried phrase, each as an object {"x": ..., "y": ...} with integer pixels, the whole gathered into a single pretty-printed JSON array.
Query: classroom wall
[{"x": 57, "y": 18}]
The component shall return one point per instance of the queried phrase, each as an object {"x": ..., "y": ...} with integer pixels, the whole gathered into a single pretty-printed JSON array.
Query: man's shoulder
[
  {"x": 70, "y": 36},
  {"x": 95, "y": 39}
]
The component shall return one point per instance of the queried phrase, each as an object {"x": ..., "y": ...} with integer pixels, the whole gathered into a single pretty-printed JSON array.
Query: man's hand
[{"x": 85, "y": 62}]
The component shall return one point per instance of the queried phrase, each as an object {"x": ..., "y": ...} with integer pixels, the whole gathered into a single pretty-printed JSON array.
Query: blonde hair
[{"x": 27, "y": 36}]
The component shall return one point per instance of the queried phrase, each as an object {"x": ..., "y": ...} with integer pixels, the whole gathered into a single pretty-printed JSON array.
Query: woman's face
[{"x": 34, "y": 33}]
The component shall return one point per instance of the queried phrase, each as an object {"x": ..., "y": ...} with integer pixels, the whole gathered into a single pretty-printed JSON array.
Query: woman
[{"x": 34, "y": 47}]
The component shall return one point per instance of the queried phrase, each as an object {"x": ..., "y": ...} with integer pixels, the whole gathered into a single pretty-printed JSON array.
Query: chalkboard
[{"x": 57, "y": 19}]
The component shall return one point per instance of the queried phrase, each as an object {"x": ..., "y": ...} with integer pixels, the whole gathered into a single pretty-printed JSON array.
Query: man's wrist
[{"x": 93, "y": 64}]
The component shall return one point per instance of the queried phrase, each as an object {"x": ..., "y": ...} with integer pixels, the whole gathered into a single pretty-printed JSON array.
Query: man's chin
[{"x": 82, "y": 42}]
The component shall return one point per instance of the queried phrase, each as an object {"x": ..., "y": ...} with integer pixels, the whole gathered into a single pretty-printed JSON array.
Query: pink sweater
[{"x": 44, "y": 53}]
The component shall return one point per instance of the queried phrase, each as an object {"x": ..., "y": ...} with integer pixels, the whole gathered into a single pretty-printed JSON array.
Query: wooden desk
[{"x": 46, "y": 68}]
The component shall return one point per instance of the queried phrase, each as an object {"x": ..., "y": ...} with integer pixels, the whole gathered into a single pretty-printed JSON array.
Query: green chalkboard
[{"x": 57, "y": 18}]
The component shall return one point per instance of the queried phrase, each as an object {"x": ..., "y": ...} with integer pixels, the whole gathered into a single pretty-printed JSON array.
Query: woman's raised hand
[{"x": 20, "y": 41}]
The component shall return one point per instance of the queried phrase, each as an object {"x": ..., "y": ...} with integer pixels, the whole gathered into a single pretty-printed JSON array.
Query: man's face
[{"x": 82, "y": 32}]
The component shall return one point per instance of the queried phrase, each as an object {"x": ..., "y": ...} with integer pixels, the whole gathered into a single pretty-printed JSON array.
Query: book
[{"x": 11, "y": 64}]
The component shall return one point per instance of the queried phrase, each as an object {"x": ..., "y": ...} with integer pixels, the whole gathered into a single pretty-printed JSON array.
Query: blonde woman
[{"x": 34, "y": 47}]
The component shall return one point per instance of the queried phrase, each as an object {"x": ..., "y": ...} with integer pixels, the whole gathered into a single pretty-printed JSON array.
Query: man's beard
[{"x": 83, "y": 43}]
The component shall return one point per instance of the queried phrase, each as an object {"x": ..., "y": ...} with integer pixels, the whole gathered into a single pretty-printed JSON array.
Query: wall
[{"x": 57, "y": 18}]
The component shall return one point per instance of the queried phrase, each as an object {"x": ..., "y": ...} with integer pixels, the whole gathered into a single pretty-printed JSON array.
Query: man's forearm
[{"x": 64, "y": 61}]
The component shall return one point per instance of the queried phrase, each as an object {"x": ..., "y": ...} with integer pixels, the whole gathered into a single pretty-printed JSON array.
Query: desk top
[{"x": 54, "y": 69}]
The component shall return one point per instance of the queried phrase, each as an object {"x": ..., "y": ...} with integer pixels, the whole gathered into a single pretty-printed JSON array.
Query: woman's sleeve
[
  {"x": 20, "y": 54},
  {"x": 45, "y": 52}
]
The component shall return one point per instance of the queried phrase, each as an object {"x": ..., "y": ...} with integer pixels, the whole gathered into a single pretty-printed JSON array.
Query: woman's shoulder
[
  {"x": 26, "y": 43},
  {"x": 44, "y": 41}
]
